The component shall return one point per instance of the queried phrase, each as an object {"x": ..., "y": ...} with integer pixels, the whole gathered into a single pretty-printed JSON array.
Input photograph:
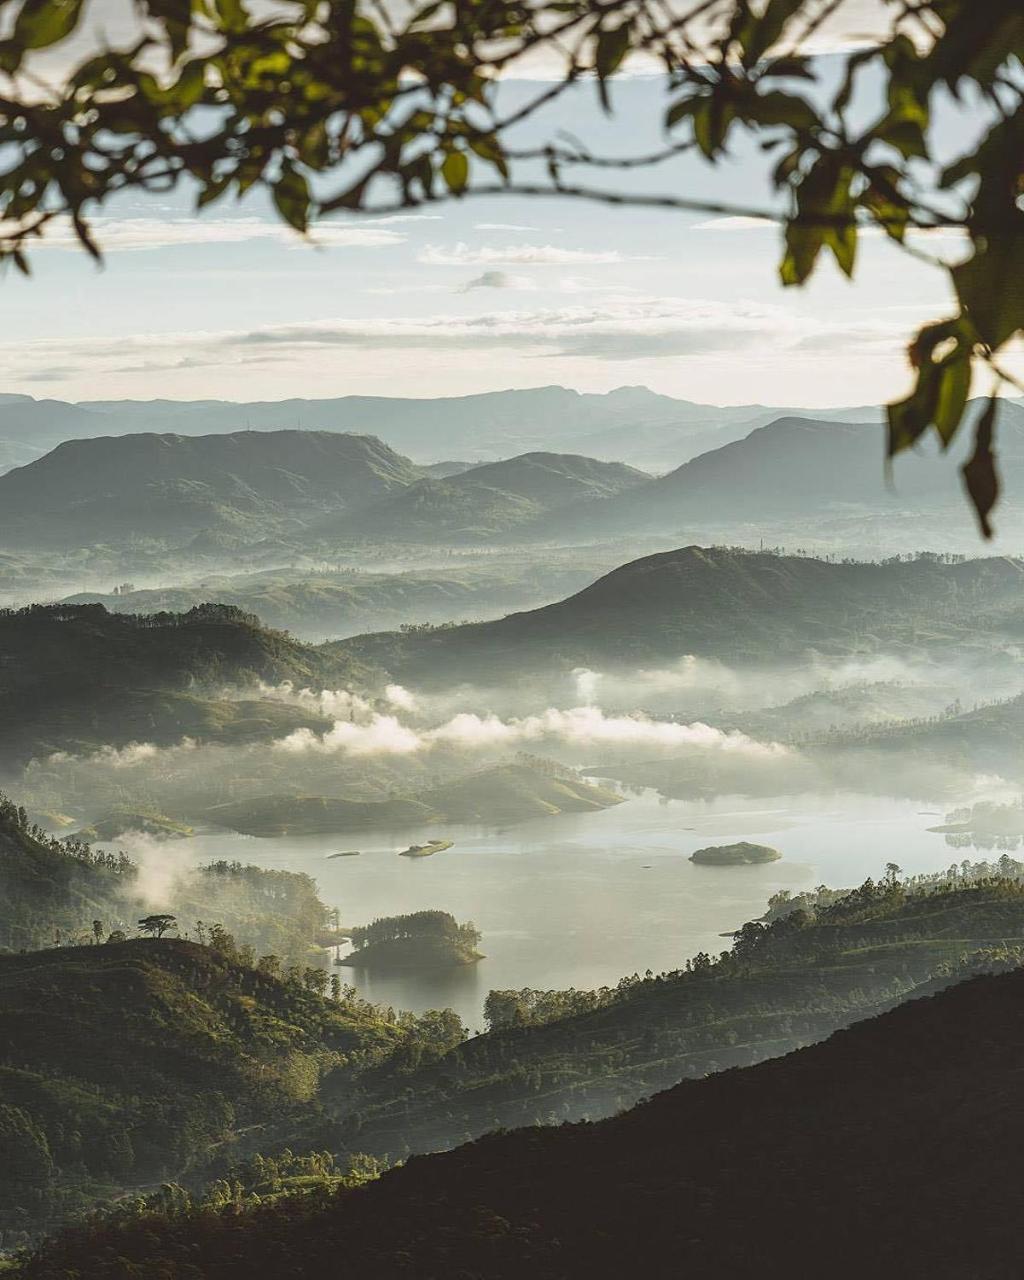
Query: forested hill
[
  {"x": 497, "y": 498},
  {"x": 72, "y": 676},
  {"x": 891, "y": 1149},
  {"x": 111, "y": 489},
  {"x": 731, "y": 604},
  {"x": 127, "y": 1063},
  {"x": 825, "y": 960}
]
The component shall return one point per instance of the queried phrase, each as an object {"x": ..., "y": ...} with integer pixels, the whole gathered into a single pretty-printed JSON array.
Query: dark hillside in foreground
[
  {"x": 892, "y": 1149},
  {"x": 733, "y": 605}
]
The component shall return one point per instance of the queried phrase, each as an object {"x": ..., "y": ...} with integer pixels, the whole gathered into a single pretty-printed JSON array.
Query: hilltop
[
  {"x": 149, "y": 486},
  {"x": 78, "y": 677},
  {"x": 733, "y": 605},
  {"x": 487, "y": 500}
]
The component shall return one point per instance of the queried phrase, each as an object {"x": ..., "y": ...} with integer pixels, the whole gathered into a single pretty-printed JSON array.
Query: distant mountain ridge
[{"x": 630, "y": 424}]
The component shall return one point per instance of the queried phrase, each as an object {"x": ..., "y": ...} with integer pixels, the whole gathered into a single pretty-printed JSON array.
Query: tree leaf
[
  {"x": 291, "y": 196},
  {"x": 980, "y": 475},
  {"x": 455, "y": 171},
  {"x": 41, "y": 23}
]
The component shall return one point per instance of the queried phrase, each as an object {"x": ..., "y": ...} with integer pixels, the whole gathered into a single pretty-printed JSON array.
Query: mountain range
[
  {"x": 323, "y": 489},
  {"x": 631, "y": 424}
]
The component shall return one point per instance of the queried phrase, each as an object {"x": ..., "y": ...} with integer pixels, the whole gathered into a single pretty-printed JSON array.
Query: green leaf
[
  {"x": 988, "y": 285},
  {"x": 942, "y": 355},
  {"x": 757, "y": 35},
  {"x": 42, "y": 23},
  {"x": 291, "y": 196},
  {"x": 455, "y": 171},
  {"x": 803, "y": 244},
  {"x": 981, "y": 478}
]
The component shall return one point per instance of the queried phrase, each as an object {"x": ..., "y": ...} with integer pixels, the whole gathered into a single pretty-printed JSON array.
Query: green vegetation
[
  {"x": 77, "y": 678},
  {"x": 817, "y": 963},
  {"x": 57, "y": 892},
  {"x": 922, "y": 1097},
  {"x": 741, "y": 854},
  {"x": 422, "y": 940},
  {"x": 130, "y": 1063},
  {"x": 840, "y": 169}
]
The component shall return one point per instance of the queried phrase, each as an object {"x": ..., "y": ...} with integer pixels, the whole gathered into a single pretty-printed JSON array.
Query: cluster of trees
[
  {"x": 433, "y": 925},
  {"x": 200, "y": 613},
  {"x": 529, "y": 1007}
]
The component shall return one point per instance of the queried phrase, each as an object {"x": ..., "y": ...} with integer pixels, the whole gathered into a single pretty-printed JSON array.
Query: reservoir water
[{"x": 581, "y": 900}]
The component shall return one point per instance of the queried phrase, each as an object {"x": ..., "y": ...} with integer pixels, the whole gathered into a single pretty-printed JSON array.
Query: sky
[{"x": 468, "y": 296}]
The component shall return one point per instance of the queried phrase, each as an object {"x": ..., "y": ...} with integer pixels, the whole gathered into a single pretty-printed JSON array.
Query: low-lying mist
[{"x": 695, "y": 727}]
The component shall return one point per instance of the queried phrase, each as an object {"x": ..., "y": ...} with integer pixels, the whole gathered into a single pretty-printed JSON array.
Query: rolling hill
[
  {"x": 792, "y": 467},
  {"x": 139, "y": 487},
  {"x": 485, "y": 501},
  {"x": 505, "y": 793},
  {"x": 738, "y": 606}
]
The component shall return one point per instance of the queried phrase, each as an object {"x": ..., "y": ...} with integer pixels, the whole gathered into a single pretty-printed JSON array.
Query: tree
[
  {"x": 158, "y": 925},
  {"x": 343, "y": 105}
]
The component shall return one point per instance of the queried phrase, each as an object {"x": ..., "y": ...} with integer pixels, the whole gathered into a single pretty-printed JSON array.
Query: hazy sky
[{"x": 466, "y": 297}]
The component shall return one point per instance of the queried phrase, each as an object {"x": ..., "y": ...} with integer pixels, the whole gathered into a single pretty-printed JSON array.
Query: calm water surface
[{"x": 580, "y": 900}]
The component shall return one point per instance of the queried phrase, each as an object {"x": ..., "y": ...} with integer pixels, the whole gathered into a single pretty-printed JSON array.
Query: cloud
[
  {"x": 497, "y": 280},
  {"x": 515, "y": 255},
  {"x": 735, "y": 223},
  {"x": 406, "y": 217},
  {"x": 620, "y": 329},
  {"x": 584, "y": 726},
  {"x": 502, "y": 226},
  {"x": 132, "y": 235}
]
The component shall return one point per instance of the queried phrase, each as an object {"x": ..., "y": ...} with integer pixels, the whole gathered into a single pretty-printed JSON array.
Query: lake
[{"x": 581, "y": 900}]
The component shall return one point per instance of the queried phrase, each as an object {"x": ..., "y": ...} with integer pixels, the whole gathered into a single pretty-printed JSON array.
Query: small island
[
  {"x": 422, "y": 940},
  {"x": 741, "y": 854},
  {"x": 426, "y": 850}
]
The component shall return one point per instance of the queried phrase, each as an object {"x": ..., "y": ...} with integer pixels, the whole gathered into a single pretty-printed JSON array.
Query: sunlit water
[{"x": 581, "y": 900}]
